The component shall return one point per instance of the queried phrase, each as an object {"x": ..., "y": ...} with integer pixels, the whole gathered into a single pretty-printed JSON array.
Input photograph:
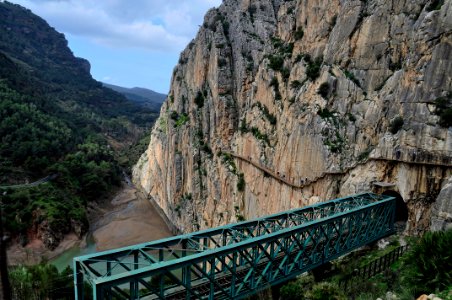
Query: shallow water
[
  {"x": 66, "y": 258},
  {"x": 131, "y": 220}
]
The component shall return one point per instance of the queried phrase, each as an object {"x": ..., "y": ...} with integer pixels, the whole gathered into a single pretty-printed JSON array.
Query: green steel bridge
[{"x": 237, "y": 260}]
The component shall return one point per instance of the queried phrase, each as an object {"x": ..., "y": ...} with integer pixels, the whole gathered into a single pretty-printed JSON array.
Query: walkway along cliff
[{"x": 280, "y": 104}]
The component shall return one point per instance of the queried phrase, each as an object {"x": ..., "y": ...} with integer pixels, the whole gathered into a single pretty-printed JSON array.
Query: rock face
[
  {"x": 442, "y": 209},
  {"x": 280, "y": 104}
]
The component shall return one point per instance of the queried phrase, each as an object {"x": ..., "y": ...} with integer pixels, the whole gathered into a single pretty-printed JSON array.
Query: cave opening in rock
[{"x": 401, "y": 207}]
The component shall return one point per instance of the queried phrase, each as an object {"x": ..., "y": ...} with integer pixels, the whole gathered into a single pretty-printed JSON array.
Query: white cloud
[{"x": 156, "y": 25}]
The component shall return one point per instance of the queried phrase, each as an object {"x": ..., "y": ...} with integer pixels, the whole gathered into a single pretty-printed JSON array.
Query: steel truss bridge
[{"x": 237, "y": 260}]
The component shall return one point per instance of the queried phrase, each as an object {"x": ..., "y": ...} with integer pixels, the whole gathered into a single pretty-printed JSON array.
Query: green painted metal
[{"x": 237, "y": 260}]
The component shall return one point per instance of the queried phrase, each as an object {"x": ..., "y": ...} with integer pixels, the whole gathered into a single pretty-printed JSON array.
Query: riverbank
[
  {"x": 125, "y": 219},
  {"x": 35, "y": 251}
]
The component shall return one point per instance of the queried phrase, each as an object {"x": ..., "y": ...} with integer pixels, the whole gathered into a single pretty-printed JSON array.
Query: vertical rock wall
[{"x": 328, "y": 96}]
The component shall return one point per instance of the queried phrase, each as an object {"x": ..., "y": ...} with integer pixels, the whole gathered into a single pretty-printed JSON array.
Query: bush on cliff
[{"x": 428, "y": 266}]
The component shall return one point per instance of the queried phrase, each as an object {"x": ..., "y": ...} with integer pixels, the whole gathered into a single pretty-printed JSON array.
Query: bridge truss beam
[{"x": 235, "y": 261}]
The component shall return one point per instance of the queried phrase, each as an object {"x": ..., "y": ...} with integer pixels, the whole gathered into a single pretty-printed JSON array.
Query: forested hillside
[{"x": 55, "y": 119}]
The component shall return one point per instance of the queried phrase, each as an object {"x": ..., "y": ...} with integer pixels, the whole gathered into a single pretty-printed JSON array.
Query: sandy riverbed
[{"x": 131, "y": 220}]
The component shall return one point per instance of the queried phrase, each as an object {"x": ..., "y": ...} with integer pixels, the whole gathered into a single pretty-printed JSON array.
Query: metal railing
[{"x": 373, "y": 268}]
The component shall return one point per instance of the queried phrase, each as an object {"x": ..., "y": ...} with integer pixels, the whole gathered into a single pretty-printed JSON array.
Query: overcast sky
[{"x": 128, "y": 42}]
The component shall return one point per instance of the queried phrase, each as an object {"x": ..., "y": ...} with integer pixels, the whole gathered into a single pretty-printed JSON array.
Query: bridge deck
[{"x": 234, "y": 261}]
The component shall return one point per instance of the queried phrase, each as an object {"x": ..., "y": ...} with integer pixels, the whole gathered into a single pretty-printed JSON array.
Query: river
[{"x": 127, "y": 219}]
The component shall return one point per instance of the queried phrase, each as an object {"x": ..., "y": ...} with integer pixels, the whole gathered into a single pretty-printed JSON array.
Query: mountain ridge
[{"x": 145, "y": 97}]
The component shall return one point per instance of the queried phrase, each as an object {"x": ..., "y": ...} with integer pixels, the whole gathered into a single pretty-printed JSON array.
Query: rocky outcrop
[
  {"x": 442, "y": 209},
  {"x": 331, "y": 96}
]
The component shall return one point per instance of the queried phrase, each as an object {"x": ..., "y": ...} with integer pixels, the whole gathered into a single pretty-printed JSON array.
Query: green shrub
[
  {"x": 325, "y": 290},
  {"x": 364, "y": 155},
  {"x": 443, "y": 109},
  {"x": 299, "y": 33},
  {"x": 243, "y": 127},
  {"x": 285, "y": 72},
  {"x": 275, "y": 84},
  {"x": 260, "y": 136},
  {"x": 325, "y": 113},
  {"x": 270, "y": 117},
  {"x": 435, "y": 5},
  {"x": 296, "y": 84},
  {"x": 352, "y": 77},
  {"x": 333, "y": 21},
  {"x": 228, "y": 160},
  {"x": 174, "y": 115},
  {"x": 199, "y": 99},
  {"x": 313, "y": 67},
  {"x": 226, "y": 26},
  {"x": 287, "y": 49},
  {"x": 396, "y": 125},
  {"x": 240, "y": 218},
  {"x": 205, "y": 147},
  {"x": 299, "y": 58},
  {"x": 41, "y": 281},
  {"x": 276, "y": 62},
  {"x": 241, "y": 183},
  {"x": 324, "y": 89},
  {"x": 428, "y": 265},
  {"x": 292, "y": 291},
  {"x": 296, "y": 290},
  {"x": 252, "y": 9},
  {"x": 395, "y": 65},
  {"x": 446, "y": 294},
  {"x": 222, "y": 62},
  {"x": 446, "y": 118},
  {"x": 182, "y": 119},
  {"x": 277, "y": 42},
  {"x": 336, "y": 145}
]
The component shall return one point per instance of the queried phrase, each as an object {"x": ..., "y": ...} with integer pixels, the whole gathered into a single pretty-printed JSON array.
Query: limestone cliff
[{"x": 280, "y": 104}]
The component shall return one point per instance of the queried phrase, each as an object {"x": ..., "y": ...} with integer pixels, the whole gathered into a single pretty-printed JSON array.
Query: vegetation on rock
[
  {"x": 313, "y": 67},
  {"x": 324, "y": 89},
  {"x": 306, "y": 288},
  {"x": 199, "y": 99},
  {"x": 435, "y": 5},
  {"x": 443, "y": 109},
  {"x": 428, "y": 266},
  {"x": 396, "y": 125}
]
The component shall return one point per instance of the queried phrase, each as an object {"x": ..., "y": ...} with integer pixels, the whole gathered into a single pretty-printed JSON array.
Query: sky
[{"x": 131, "y": 43}]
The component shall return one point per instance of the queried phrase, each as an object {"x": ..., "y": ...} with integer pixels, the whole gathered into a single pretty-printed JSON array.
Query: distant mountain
[
  {"x": 55, "y": 119},
  {"x": 147, "y": 98}
]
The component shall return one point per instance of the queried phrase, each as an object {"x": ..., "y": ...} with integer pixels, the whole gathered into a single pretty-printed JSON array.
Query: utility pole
[{"x": 5, "y": 288}]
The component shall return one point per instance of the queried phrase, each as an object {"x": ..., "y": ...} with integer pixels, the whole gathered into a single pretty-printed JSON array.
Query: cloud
[{"x": 155, "y": 25}]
